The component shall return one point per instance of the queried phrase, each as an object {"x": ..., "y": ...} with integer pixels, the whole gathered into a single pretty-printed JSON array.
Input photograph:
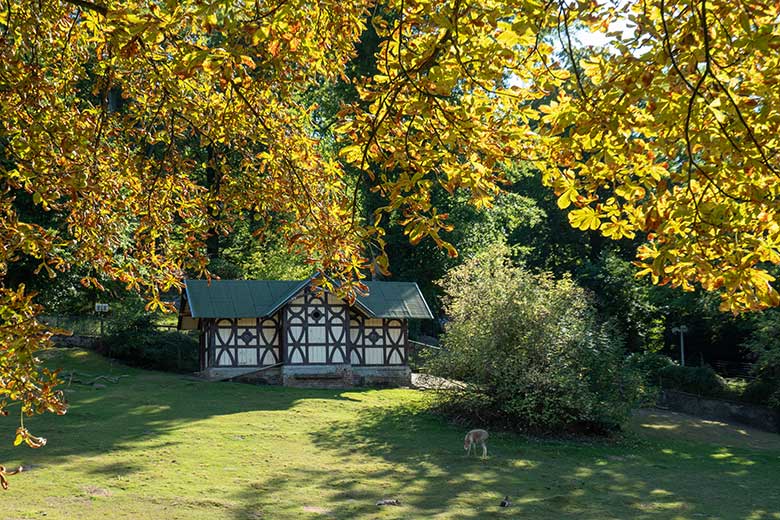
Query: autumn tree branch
[{"x": 569, "y": 50}]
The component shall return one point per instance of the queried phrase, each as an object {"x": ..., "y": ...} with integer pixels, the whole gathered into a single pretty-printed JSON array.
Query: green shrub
[
  {"x": 649, "y": 365},
  {"x": 529, "y": 352},
  {"x": 701, "y": 381},
  {"x": 152, "y": 349}
]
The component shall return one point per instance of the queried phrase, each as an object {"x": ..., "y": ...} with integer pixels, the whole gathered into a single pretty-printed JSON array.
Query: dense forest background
[{"x": 525, "y": 218}]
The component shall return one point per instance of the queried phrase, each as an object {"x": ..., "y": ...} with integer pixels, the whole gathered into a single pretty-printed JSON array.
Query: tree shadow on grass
[
  {"x": 410, "y": 455},
  {"x": 140, "y": 406},
  {"x": 121, "y": 469},
  {"x": 372, "y": 452}
]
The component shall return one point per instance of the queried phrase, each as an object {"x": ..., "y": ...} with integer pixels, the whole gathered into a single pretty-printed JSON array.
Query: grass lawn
[{"x": 164, "y": 446}]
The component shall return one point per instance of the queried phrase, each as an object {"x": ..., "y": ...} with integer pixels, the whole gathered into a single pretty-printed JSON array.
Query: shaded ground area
[
  {"x": 659, "y": 424},
  {"x": 163, "y": 446}
]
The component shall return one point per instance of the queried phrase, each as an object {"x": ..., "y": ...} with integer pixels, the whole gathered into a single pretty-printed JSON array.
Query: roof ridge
[{"x": 260, "y": 298}]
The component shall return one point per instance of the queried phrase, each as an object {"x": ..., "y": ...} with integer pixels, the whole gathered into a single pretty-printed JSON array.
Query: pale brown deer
[{"x": 473, "y": 438}]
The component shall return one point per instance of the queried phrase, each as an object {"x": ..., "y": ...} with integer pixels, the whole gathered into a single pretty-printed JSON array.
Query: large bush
[
  {"x": 529, "y": 352},
  {"x": 139, "y": 344}
]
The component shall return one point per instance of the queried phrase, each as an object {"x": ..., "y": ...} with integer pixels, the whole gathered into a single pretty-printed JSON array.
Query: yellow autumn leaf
[
  {"x": 567, "y": 197},
  {"x": 584, "y": 218},
  {"x": 617, "y": 229}
]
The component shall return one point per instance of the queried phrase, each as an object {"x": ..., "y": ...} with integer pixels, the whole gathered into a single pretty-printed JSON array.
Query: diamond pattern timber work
[
  {"x": 373, "y": 336},
  {"x": 247, "y": 336}
]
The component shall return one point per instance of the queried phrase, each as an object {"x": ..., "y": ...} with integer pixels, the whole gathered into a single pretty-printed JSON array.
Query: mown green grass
[{"x": 163, "y": 446}]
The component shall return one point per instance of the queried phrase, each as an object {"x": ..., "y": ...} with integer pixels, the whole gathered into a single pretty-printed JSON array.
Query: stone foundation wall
[
  {"x": 317, "y": 376},
  {"x": 269, "y": 376},
  {"x": 382, "y": 376}
]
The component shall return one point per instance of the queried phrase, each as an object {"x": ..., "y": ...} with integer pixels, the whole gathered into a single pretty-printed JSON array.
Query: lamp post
[
  {"x": 682, "y": 329},
  {"x": 101, "y": 309}
]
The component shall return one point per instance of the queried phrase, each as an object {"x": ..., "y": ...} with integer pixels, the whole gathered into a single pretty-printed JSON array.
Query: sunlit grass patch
[{"x": 157, "y": 445}]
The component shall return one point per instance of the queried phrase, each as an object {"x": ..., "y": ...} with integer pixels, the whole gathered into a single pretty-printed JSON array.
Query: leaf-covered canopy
[
  {"x": 144, "y": 127},
  {"x": 670, "y": 133}
]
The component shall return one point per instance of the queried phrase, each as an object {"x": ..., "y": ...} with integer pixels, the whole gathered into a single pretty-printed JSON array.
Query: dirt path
[{"x": 657, "y": 423}]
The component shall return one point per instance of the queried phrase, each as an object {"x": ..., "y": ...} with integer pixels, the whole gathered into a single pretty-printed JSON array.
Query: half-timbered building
[{"x": 296, "y": 334}]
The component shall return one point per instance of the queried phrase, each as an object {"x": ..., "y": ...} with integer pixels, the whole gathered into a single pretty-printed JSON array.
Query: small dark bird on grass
[{"x": 505, "y": 502}]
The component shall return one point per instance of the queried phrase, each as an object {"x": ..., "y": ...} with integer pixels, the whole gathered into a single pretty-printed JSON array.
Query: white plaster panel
[
  {"x": 247, "y": 356},
  {"x": 223, "y": 335},
  {"x": 222, "y": 358},
  {"x": 395, "y": 335},
  {"x": 316, "y": 334},
  {"x": 354, "y": 334},
  {"x": 317, "y": 355},
  {"x": 337, "y": 356},
  {"x": 374, "y": 356},
  {"x": 269, "y": 336},
  {"x": 269, "y": 357},
  {"x": 296, "y": 315},
  {"x": 337, "y": 334},
  {"x": 395, "y": 358},
  {"x": 337, "y": 316},
  {"x": 296, "y": 357},
  {"x": 295, "y": 333}
]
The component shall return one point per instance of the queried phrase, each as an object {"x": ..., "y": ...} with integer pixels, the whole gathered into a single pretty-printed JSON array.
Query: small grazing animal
[
  {"x": 505, "y": 502},
  {"x": 473, "y": 438}
]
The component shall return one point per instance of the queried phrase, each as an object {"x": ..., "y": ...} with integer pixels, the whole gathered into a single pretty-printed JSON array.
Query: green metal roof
[
  {"x": 257, "y": 298},
  {"x": 395, "y": 300}
]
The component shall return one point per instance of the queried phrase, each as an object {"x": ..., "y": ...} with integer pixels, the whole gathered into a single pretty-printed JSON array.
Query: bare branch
[{"x": 569, "y": 50}]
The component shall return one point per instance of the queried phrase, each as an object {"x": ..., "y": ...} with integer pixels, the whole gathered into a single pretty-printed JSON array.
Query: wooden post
[
  {"x": 283, "y": 334},
  {"x": 202, "y": 346}
]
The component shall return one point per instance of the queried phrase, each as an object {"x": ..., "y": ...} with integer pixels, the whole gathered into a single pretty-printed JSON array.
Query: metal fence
[
  {"x": 733, "y": 369},
  {"x": 419, "y": 353},
  {"x": 86, "y": 326},
  {"x": 91, "y": 326}
]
